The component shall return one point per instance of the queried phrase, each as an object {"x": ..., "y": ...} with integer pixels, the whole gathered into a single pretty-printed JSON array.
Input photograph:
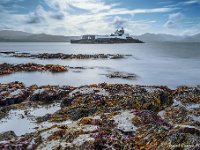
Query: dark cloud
[
  {"x": 58, "y": 16},
  {"x": 34, "y": 20}
]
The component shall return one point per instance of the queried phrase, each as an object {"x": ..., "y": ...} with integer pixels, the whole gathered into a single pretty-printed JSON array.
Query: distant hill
[
  {"x": 8, "y": 34},
  {"x": 150, "y": 37},
  {"x": 194, "y": 38},
  {"x": 19, "y": 36}
]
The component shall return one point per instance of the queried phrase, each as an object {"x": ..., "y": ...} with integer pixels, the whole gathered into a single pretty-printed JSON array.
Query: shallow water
[
  {"x": 171, "y": 64},
  {"x": 18, "y": 122}
]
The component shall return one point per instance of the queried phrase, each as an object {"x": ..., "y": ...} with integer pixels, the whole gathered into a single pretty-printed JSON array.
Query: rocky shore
[
  {"x": 30, "y": 67},
  {"x": 63, "y": 56},
  {"x": 101, "y": 116}
]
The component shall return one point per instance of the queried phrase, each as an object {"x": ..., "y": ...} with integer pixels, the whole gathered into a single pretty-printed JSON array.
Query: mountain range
[
  {"x": 150, "y": 37},
  {"x": 19, "y": 36}
]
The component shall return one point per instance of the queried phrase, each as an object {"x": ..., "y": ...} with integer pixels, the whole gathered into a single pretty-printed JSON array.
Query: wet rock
[
  {"x": 56, "y": 68},
  {"x": 149, "y": 117},
  {"x": 15, "y": 97},
  {"x": 43, "y": 118},
  {"x": 45, "y": 95},
  {"x": 181, "y": 141},
  {"x": 65, "y": 56},
  {"x": 118, "y": 56},
  {"x": 105, "y": 115},
  {"x": 122, "y": 75},
  {"x": 21, "y": 143},
  {"x": 12, "y": 93},
  {"x": 8, "y": 52},
  {"x": 66, "y": 101},
  {"x": 78, "y": 113},
  {"x": 7, "y": 136},
  {"x": 10, "y": 68}
]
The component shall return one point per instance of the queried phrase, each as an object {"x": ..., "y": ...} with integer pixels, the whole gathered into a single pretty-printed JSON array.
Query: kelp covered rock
[
  {"x": 12, "y": 93},
  {"x": 45, "y": 95},
  {"x": 65, "y": 56},
  {"x": 16, "y": 92},
  {"x": 111, "y": 116},
  {"x": 117, "y": 97},
  {"x": 10, "y": 68},
  {"x": 9, "y": 135}
]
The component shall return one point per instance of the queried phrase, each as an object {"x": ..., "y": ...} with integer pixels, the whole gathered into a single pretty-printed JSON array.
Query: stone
[{"x": 8, "y": 135}]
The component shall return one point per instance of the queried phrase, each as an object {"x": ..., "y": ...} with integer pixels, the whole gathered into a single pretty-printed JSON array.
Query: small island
[{"x": 118, "y": 37}]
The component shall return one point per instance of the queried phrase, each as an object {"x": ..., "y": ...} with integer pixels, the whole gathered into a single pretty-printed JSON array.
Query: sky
[{"x": 77, "y": 17}]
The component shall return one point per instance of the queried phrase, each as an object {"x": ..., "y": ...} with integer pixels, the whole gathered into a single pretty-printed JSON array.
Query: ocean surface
[{"x": 171, "y": 64}]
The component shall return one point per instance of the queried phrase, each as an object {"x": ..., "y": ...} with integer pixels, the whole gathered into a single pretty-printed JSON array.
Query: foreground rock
[
  {"x": 113, "y": 116},
  {"x": 64, "y": 56},
  {"x": 16, "y": 92},
  {"x": 9, "y": 135},
  {"x": 10, "y": 68}
]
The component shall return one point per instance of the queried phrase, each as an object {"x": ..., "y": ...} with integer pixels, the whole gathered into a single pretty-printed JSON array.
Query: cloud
[
  {"x": 58, "y": 16},
  {"x": 194, "y": 29},
  {"x": 38, "y": 16},
  {"x": 191, "y": 2},
  {"x": 119, "y": 22},
  {"x": 75, "y": 17},
  {"x": 94, "y": 16},
  {"x": 100, "y": 7},
  {"x": 183, "y": 3},
  {"x": 174, "y": 20}
]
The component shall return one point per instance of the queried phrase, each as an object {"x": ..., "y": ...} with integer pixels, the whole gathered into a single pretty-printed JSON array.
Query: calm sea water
[{"x": 171, "y": 64}]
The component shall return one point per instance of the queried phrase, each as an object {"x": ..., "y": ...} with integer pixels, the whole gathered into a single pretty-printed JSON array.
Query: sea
[{"x": 166, "y": 63}]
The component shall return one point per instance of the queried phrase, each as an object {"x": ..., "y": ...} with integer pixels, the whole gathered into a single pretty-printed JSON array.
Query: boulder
[
  {"x": 14, "y": 97},
  {"x": 45, "y": 95},
  {"x": 8, "y": 135}
]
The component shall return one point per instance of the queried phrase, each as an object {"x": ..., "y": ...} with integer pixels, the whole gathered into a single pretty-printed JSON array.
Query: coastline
[{"x": 93, "y": 116}]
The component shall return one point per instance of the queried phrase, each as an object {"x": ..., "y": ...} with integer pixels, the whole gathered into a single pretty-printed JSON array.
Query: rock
[
  {"x": 78, "y": 113},
  {"x": 45, "y": 95},
  {"x": 8, "y": 52},
  {"x": 105, "y": 115},
  {"x": 118, "y": 56},
  {"x": 149, "y": 117},
  {"x": 66, "y": 56},
  {"x": 8, "y": 135},
  {"x": 21, "y": 143},
  {"x": 10, "y": 68},
  {"x": 66, "y": 101},
  {"x": 14, "y": 97},
  {"x": 43, "y": 118},
  {"x": 122, "y": 75}
]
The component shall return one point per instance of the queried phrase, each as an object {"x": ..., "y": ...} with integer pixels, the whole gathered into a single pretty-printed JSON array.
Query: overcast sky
[{"x": 77, "y": 17}]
